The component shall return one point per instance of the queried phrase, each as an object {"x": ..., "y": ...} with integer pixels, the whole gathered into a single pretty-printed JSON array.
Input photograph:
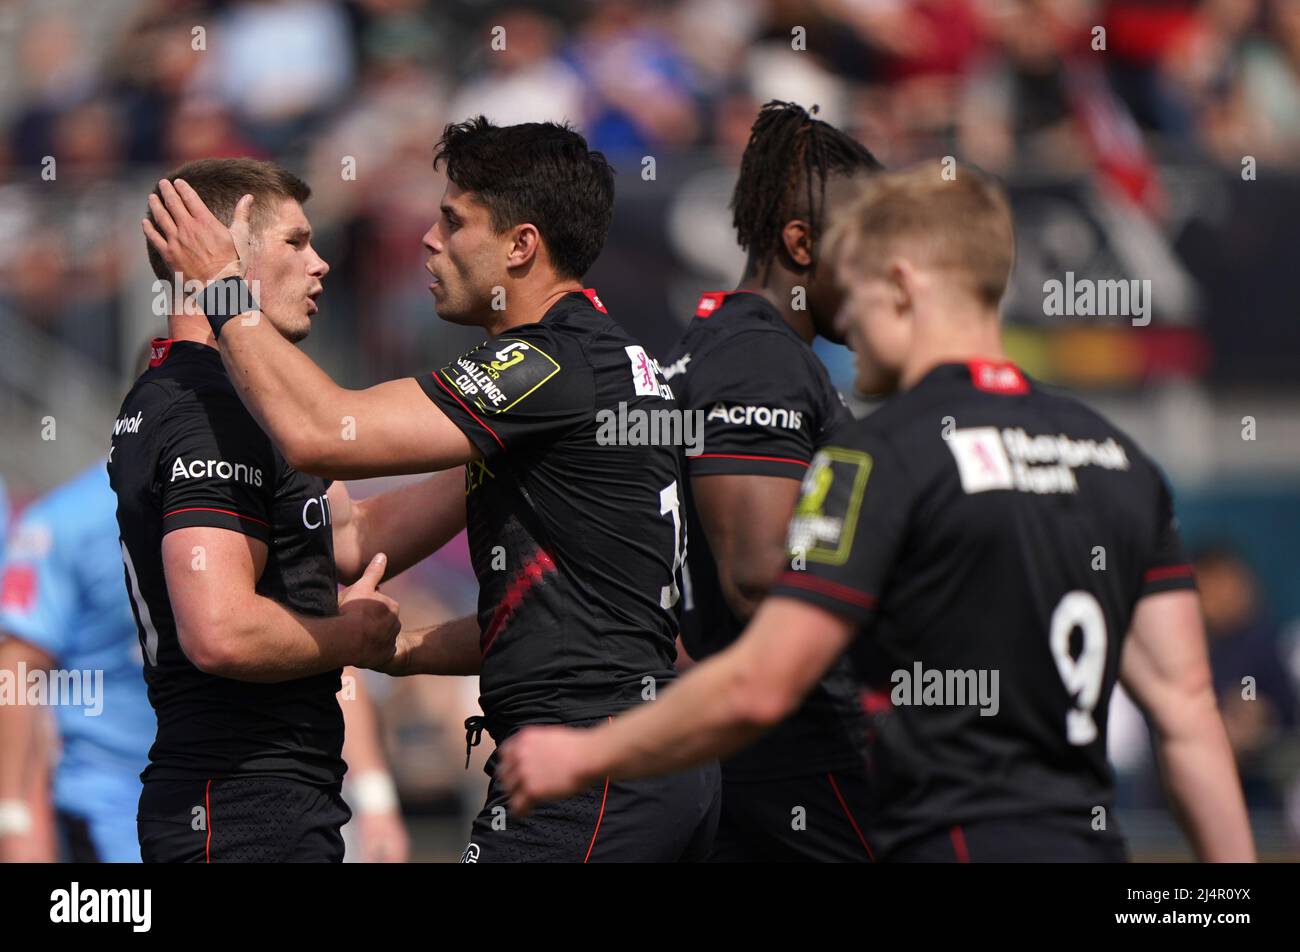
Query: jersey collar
[
  {"x": 587, "y": 296},
  {"x": 159, "y": 348},
  {"x": 997, "y": 376},
  {"x": 710, "y": 301},
  {"x": 1000, "y": 377}
]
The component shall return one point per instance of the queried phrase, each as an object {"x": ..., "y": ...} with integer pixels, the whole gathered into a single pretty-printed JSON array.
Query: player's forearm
[
  {"x": 362, "y": 750},
  {"x": 450, "y": 648},
  {"x": 411, "y": 523},
  {"x": 712, "y": 711},
  {"x": 18, "y": 722},
  {"x": 292, "y": 399},
  {"x": 1200, "y": 775},
  {"x": 17, "y": 728},
  {"x": 270, "y": 644}
]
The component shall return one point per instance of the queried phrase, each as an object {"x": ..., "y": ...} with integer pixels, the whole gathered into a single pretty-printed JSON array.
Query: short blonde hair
[{"x": 959, "y": 221}]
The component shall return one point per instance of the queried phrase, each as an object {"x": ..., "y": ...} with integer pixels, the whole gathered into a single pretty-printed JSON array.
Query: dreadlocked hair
[{"x": 783, "y": 176}]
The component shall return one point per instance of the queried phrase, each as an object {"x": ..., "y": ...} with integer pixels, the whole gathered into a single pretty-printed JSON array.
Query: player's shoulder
[
  {"x": 723, "y": 318},
  {"x": 185, "y": 390},
  {"x": 568, "y": 329},
  {"x": 1082, "y": 419},
  {"x": 579, "y": 333},
  {"x": 741, "y": 335}
]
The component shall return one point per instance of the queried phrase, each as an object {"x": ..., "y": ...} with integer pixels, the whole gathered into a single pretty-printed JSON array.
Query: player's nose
[{"x": 430, "y": 239}]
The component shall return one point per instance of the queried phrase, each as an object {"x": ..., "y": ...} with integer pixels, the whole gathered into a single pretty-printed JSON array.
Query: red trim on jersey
[
  {"x": 997, "y": 376},
  {"x": 594, "y": 298},
  {"x": 468, "y": 410},
  {"x": 834, "y": 589},
  {"x": 845, "y": 807},
  {"x": 227, "y": 512},
  {"x": 765, "y": 459},
  {"x": 527, "y": 577},
  {"x": 596, "y": 832},
  {"x": 207, "y": 815},
  {"x": 875, "y": 702},
  {"x": 1168, "y": 571},
  {"x": 709, "y": 302},
  {"x": 959, "y": 844},
  {"x": 159, "y": 348}
]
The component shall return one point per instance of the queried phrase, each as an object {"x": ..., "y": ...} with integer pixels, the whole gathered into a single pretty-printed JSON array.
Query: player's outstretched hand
[
  {"x": 374, "y": 613},
  {"x": 191, "y": 240},
  {"x": 543, "y": 763}
]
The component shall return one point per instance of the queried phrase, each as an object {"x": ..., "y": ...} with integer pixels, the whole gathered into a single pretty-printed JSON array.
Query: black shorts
[
  {"x": 1011, "y": 840},
  {"x": 817, "y": 818},
  {"x": 252, "y": 820},
  {"x": 668, "y": 819}
]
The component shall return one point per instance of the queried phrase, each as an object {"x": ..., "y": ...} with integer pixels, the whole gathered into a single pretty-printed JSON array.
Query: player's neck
[
  {"x": 528, "y": 305},
  {"x": 190, "y": 327},
  {"x": 974, "y": 336},
  {"x": 779, "y": 292}
]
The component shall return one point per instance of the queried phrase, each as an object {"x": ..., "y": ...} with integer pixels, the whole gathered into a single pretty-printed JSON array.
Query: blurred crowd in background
[{"x": 1140, "y": 138}]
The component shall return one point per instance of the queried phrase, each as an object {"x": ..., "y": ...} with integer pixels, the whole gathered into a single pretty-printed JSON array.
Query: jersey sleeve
[
  {"x": 848, "y": 527},
  {"x": 38, "y": 590},
  {"x": 1167, "y": 568},
  {"x": 515, "y": 392},
  {"x": 216, "y": 467},
  {"x": 759, "y": 405}
]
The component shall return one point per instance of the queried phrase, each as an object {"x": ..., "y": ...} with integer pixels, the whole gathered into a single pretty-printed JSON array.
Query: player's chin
[
  {"x": 296, "y": 329},
  {"x": 449, "y": 312}
]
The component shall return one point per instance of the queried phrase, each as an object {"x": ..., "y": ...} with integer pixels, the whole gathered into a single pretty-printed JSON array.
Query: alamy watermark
[
  {"x": 946, "y": 687},
  {"x": 1086, "y": 297},
  {"x": 668, "y": 426},
  {"x": 38, "y": 687}
]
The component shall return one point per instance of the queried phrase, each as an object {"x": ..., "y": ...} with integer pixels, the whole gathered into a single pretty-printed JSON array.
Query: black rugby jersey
[
  {"x": 992, "y": 538},
  {"x": 574, "y": 514},
  {"x": 767, "y": 404},
  {"x": 185, "y": 452}
]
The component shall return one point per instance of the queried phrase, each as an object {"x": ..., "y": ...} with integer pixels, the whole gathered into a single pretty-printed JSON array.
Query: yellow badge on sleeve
[
  {"x": 827, "y": 514},
  {"x": 496, "y": 375}
]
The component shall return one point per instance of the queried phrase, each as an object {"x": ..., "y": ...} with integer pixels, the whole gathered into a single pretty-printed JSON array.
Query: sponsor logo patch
[
  {"x": 821, "y": 536},
  {"x": 745, "y": 415},
  {"x": 129, "y": 424},
  {"x": 215, "y": 469},
  {"x": 497, "y": 375},
  {"x": 981, "y": 460},
  {"x": 989, "y": 459}
]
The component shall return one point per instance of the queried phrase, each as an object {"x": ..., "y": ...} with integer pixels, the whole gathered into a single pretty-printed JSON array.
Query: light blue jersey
[{"x": 64, "y": 592}]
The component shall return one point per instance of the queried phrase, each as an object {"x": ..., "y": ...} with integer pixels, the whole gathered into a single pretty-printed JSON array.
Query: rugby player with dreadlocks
[{"x": 746, "y": 362}]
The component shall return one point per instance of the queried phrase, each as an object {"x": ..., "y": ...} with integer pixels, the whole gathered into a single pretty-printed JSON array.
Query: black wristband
[{"x": 221, "y": 300}]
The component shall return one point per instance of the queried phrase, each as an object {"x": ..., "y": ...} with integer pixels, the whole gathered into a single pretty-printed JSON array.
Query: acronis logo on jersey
[{"x": 216, "y": 468}]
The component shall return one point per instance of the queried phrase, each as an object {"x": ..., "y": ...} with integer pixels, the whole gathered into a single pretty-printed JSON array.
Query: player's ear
[
  {"x": 901, "y": 278},
  {"x": 796, "y": 237},
  {"x": 526, "y": 244}
]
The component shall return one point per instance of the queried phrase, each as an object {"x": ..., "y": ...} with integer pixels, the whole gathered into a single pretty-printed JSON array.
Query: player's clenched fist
[
  {"x": 374, "y": 613},
  {"x": 544, "y": 763}
]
